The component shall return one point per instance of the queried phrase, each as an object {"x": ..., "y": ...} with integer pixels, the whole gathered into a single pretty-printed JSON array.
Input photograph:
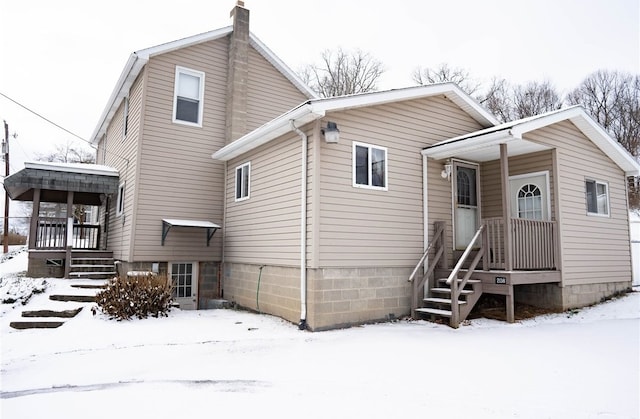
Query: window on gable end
[
  {"x": 243, "y": 181},
  {"x": 125, "y": 122},
  {"x": 369, "y": 166},
  {"x": 188, "y": 96},
  {"x": 597, "y": 195}
]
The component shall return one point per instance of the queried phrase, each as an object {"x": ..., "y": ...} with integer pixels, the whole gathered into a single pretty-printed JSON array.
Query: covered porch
[{"x": 53, "y": 240}]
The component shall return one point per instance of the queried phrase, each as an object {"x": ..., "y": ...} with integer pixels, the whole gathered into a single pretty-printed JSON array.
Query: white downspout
[{"x": 303, "y": 229}]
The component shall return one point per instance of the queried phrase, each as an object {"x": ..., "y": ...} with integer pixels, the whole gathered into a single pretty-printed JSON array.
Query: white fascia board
[
  {"x": 591, "y": 129},
  {"x": 450, "y": 90},
  {"x": 86, "y": 168},
  {"x": 447, "y": 150},
  {"x": 281, "y": 66},
  {"x": 269, "y": 131},
  {"x": 129, "y": 74}
]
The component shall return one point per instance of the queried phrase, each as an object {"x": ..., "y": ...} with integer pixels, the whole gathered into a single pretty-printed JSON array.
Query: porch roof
[
  {"x": 484, "y": 145},
  {"x": 89, "y": 182}
]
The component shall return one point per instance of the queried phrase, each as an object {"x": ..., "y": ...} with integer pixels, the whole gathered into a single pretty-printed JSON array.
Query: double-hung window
[
  {"x": 188, "y": 95},
  {"x": 242, "y": 181},
  {"x": 369, "y": 166},
  {"x": 597, "y": 194}
]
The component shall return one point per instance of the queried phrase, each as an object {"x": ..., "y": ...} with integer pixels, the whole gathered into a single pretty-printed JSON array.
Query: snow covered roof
[
  {"x": 138, "y": 59},
  {"x": 482, "y": 145},
  {"x": 317, "y": 108},
  {"x": 85, "y": 168}
]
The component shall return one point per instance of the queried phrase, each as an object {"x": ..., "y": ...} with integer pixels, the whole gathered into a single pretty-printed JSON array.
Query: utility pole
[{"x": 5, "y": 150}]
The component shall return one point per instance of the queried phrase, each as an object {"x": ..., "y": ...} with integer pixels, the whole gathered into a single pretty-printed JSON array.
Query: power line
[
  {"x": 63, "y": 128},
  {"x": 46, "y": 119}
]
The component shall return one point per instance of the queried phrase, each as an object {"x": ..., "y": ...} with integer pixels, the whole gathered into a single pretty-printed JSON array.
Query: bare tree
[
  {"x": 443, "y": 73},
  {"x": 510, "y": 102},
  {"x": 68, "y": 152},
  {"x": 343, "y": 73},
  {"x": 613, "y": 99}
]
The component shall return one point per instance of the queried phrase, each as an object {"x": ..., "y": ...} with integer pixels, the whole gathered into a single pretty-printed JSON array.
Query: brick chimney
[{"x": 238, "y": 74}]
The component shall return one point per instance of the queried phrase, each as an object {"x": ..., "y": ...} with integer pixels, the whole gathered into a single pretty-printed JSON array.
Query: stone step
[
  {"x": 90, "y": 286},
  {"x": 74, "y": 298},
  {"x": 435, "y": 311},
  {"x": 35, "y": 325},
  {"x": 51, "y": 313}
]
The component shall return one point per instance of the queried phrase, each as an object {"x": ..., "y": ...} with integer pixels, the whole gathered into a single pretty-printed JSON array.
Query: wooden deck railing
[
  {"x": 51, "y": 234},
  {"x": 421, "y": 286},
  {"x": 533, "y": 248}
]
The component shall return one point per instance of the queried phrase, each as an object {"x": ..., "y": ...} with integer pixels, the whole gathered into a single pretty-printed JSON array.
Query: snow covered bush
[{"x": 136, "y": 296}]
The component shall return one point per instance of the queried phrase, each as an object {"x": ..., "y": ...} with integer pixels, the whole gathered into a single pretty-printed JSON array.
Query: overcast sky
[{"x": 62, "y": 58}]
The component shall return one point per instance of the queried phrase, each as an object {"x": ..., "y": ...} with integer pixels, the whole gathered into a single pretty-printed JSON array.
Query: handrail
[
  {"x": 452, "y": 280},
  {"x": 418, "y": 286},
  {"x": 426, "y": 252}
]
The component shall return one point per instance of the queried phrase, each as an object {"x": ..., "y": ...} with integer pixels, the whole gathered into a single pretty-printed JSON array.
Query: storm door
[{"x": 466, "y": 212}]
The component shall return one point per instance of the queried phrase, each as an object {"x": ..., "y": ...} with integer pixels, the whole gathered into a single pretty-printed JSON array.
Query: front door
[
  {"x": 530, "y": 196},
  {"x": 466, "y": 184},
  {"x": 184, "y": 277}
]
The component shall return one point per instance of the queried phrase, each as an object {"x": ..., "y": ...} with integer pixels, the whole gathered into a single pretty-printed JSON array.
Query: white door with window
[
  {"x": 466, "y": 203},
  {"x": 184, "y": 277},
  {"x": 530, "y": 196}
]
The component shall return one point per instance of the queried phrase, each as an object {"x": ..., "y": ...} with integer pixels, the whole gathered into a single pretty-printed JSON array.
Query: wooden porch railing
[
  {"x": 51, "y": 234},
  {"x": 533, "y": 244}
]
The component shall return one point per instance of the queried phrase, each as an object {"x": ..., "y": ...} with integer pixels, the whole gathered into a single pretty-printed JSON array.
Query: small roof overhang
[
  {"x": 168, "y": 223},
  {"x": 318, "y": 108},
  {"x": 484, "y": 145},
  {"x": 90, "y": 183}
]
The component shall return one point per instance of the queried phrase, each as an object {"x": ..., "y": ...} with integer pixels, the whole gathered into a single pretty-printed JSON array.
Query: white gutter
[{"x": 303, "y": 228}]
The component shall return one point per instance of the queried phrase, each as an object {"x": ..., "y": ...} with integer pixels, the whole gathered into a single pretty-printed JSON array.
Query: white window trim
[
  {"x": 353, "y": 166},
  {"x": 194, "y": 275},
  {"x": 597, "y": 182},
  {"x": 125, "y": 118},
  {"x": 194, "y": 73},
  {"x": 544, "y": 173},
  {"x": 120, "y": 200},
  {"x": 235, "y": 178}
]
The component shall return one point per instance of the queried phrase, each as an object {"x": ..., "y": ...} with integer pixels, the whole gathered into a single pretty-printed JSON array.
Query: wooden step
[
  {"x": 51, "y": 313},
  {"x": 91, "y": 266},
  {"x": 35, "y": 325},
  {"x": 442, "y": 301},
  {"x": 435, "y": 311},
  {"x": 469, "y": 281},
  {"x": 448, "y": 291},
  {"x": 74, "y": 298}
]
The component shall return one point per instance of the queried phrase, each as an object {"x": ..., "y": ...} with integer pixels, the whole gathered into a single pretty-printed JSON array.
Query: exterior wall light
[
  {"x": 446, "y": 171},
  {"x": 331, "y": 132}
]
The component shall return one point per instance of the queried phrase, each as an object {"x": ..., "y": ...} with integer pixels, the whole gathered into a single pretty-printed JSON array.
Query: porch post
[
  {"x": 69, "y": 235},
  {"x": 35, "y": 212},
  {"x": 506, "y": 207}
]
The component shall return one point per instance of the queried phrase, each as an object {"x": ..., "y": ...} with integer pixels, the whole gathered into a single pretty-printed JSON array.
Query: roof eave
[
  {"x": 443, "y": 151},
  {"x": 269, "y": 131}
]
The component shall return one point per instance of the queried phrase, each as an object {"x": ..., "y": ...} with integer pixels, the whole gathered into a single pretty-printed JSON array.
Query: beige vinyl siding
[
  {"x": 265, "y": 229},
  {"x": 491, "y": 186},
  {"x": 178, "y": 179},
  {"x": 121, "y": 153},
  {"x": 368, "y": 228},
  {"x": 594, "y": 249},
  {"x": 269, "y": 92}
]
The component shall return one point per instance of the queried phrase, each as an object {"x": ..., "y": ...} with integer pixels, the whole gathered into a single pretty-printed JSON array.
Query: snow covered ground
[{"x": 583, "y": 364}]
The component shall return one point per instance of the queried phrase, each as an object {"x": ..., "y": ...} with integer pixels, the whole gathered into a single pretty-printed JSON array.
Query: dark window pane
[
  {"x": 362, "y": 165},
  {"x": 245, "y": 181},
  {"x": 239, "y": 183},
  {"x": 592, "y": 200},
  {"x": 187, "y": 110},
  {"x": 378, "y": 167},
  {"x": 466, "y": 186}
]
